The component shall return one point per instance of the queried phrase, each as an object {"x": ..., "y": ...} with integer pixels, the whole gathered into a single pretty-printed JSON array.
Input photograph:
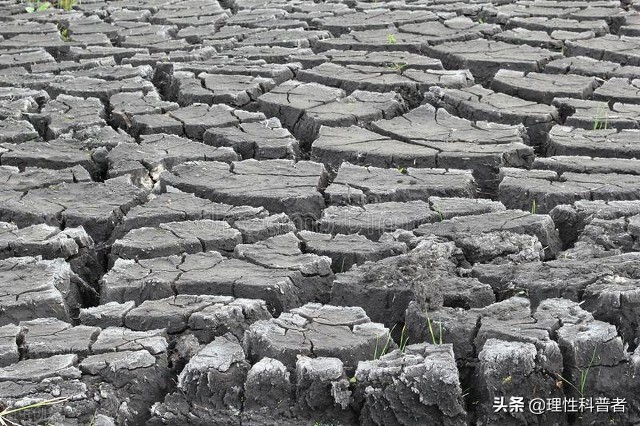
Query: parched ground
[{"x": 270, "y": 212}]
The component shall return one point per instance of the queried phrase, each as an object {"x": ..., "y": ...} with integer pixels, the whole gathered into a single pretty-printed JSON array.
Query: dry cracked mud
[{"x": 320, "y": 212}]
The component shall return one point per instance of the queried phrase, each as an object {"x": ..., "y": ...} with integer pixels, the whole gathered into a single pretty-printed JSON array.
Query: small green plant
[
  {"x": 601, "y": 119},
  {"x": 397, "y": 67},
  {"x": 466, "y": 392},
  {"x": 435, "y": 341},
  {"x": 344, "y": 259},
  {"x": 66, "y": 5},
  {"x": 534, "y": 206},
  {"x": 522, "y": 292},
  {"x": 439, "y": 213},
  {"x": 352, "y": 380},
  {"x": 64, "y": 33},
  {"x": 37, "y": 7},
  {"x": 385, "y": 348},
  {"x": 402, "y": 170},
  {"x": 5, "y": 421},
  {"x": 580, "y": 387},
  {"x": 404, "y": 339},
  {"x": 93, "y": 418},
  {"x": 391, "y": 39}
]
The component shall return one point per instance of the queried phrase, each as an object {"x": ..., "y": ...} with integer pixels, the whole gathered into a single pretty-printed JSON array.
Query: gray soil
[{"x": 270, "y": 212}]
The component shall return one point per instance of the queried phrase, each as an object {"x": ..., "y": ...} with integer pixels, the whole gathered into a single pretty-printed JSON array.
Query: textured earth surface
[{"x": 270, "y": 212}]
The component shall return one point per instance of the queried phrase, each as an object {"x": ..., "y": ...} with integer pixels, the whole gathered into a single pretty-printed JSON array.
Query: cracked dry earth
[{"x": 270, "y": 212}]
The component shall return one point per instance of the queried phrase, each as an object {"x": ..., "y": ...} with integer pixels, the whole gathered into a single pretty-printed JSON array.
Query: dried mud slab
[
  {"x": 275, "y": 270},
  {"x": 542, "y": 190},
  {"x": 67, "y": 113},
  {"x": 179, "y": 206},
  {"x": 98, "y": 207},
  {"x": 34, "y": 288},
  {"x": 530, "y": 338},
  {"x": 409, "y": 83},
  {"x": 17, "y": 131},
  {"x": 562, "y": 278},
  {"x": 597, "y": 115},
  {"x": 364, "y": 185},
  {"x": 47, "y": 242},
  {"x": 26, "y": 58},
  {"x": 543, "y": 88},
  {"x": 607, "y": 143},
  {"x": 43, "y": 240},
  {"x": 116, "y": 375},
  {"x": 304, "y": 107},
  {"x": 221, "y": 362},
  {"x": 122, "y": 339},
  {"x": 108, "y": 315},
  {"x": 373, "y": 19},
  {"x": 271, "y": 54},
  {"x": 582, "y": 65},
  {"x": 553, "y": 41},
  {"x": 572, "y": 219},
  {"x": 234, "y": 90},
  {"x": 89, "y": 87},
  {"x": 620, "y": 49},
  {"x": 621, "y": 89},
  {"x": 424, "y": 275},
  {"x": 57, "y": 154},
  {"x": 624, "y": 316},
  {"x": 480, "y": 146},
  {"x": 447, "y": 208},
  {"x": 584, "y": 164},
  {"x": 281, "y": 186},
  {"x": 234, "y": 66},
  {"x": 364, "y": 57},
  {"x": 159, "y": 278},
  {"x": 485, "y": 57},
  {"x": 45, "y": 337},
  {"x": 158, "y": 152},
  {"x": 373, "y": 220},
  {"x": 315, "y": 330},
  {"x": 479, "y": 104},
  {"x": 420, "y": 369},
  {"x": 266, "y": 140},
  {"x": 33, "y": 177},
  {"x": 411, "y": 37},
  {"x": 285, "y": 252},
  {"x": 206, "y": 316},
  {"x": 540, "y": 23},
  {"x": 175, "y": 238},
  {"x": 125, "y": 105},
  {"x": 348, "y": 250},
  {"x": 191, "y": 121},
  {"x": 513, "y": 221},
  {"x": 356, "y": 145},
  {"x": 295, "y": 37}
]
